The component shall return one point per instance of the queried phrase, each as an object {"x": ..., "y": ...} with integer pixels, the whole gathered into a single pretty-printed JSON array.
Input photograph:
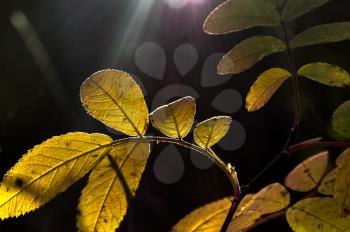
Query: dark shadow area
[{"x": 77, "y": 38}]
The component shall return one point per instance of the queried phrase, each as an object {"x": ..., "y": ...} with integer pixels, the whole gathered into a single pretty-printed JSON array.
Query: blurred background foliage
[{"x": 40, "y": 98}]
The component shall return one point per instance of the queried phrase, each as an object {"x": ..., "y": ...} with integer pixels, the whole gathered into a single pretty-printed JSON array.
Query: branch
[{"x": 303, "y": 146}]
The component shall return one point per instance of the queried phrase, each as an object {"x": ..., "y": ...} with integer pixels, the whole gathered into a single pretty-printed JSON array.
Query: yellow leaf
[
  {"x": 326, "y": 74},
  {"x": 48, "y": 169},
  {"x": 317, "y": 214},
  {"x": 342, "y": 183},
  {"x": 264, "y": 87},
  {"x": 270, "y": 199},
  {"x": 245, "y": 54},
  {"x": 327, "y": 185},
  {"x": 236, "y": 15},
  {"x": 341, "y": 120},
  {"x": 211, "y": 131},
  {"x": 308, "y": 174},
  {"x": 319, "y": 34},
  {"x": 115, "y": 99},
  {"x": 103, "y": 202},
  {"x": 175, "y": 119},
  {"x": 208, "y": 218}
]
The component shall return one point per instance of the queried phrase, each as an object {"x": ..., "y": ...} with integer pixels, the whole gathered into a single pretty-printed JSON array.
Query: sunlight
[{"x": 181, "y": 3}]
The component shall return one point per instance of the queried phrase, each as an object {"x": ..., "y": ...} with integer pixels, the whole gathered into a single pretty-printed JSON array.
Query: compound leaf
[
  {"x": 175, "y": 119},
  {"x": 342, "y": 183},
  {"x": 48, "y": 169},
  {"x": 308, "y": 174},
  {"x": 317, "y": 214},
  {"x": 341, "y": 119},
  {"x": 211, "y": 131},
  {"x": 326, "y": 74},
  {"x": 236, "y": 15},
  {"x": 103, "y": 202},
  {"x": 326, "y": 33},
  {"x": 264, "y": 87},
  {"x": 208, "y": 218},
  {"x": 296, "y": 8},
  {"x": 247, "y": 53},
  {"x": 115, "y": 99},
  {"x": 271, "y": 199},
  {"x": 327, "y": 185}
]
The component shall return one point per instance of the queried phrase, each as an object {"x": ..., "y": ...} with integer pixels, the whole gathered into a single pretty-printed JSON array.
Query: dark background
[{"x": 82, "y": 37}]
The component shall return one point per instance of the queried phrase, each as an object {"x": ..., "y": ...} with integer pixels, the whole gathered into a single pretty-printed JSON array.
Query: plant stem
[
  {"x": 303, "y": 146},
  {"x": 297, "y": 102},
  {"x": 227, "y": 169}
]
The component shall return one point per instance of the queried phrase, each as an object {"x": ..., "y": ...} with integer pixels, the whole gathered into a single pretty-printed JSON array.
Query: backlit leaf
[
  {"x": 48, "y": 169},
  {"x": 208, "y": 218},
  {"x": 115, "y": 99},
  {"x": 211, "y": 131},
  {"x": 342, "y": 183},
  {"x": 326, "y": 74},
  {"x": 327, "y": 185},
  {"x": 308, "y": 174},
  {"x": 103, "y": 202},
  {"x": 236, "y": 15},
  {"x": 326, "y": 33},
  {"x": 296, "y": 8},
  {"x": 247, "y": 53},
  {"x": 175, "y": 119},
  {"x": 264, "y": 87},
  {"x": 341, "y": 119},
  {"x": 317, "y": 214},
  {"x": 271, "y": 199}
]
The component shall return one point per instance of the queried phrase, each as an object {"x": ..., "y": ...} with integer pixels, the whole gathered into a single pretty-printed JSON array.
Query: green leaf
[
  {"x": 49, "y": 169},
  {"x": 326, "y": 33},
  {"x": 252, "y": 208},
  {"x": 326, "y": 74},
  {"x": 175, "y": 119},
  {"x": 264, "y": 87},
  {"x": 208, "y": 218},
  {"x": 327, "y": 185},
  {"x": 308, "y": 174},
  {"x": 342, "y": 183},
  {"x": 211, "y": 131},
  {"x": 103, "y": 202},
  {"x": 296, "y": 8},
  {"x": 236, "y": 15},
  {"x": 341, "y": 120},
  {"x": 115, "y": 99},
  {"x": 317, "y": 214},
  {"x": 247, "y": 53}
]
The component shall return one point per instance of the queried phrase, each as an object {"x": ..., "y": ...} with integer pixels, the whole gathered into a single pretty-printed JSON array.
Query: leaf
[
  {"x": 236, "y": 15},
  {"x": 296, "y": 8},
  {"x": 308, "y": 174},
  {"x": 211, "y": 131},
  {"x": 103, "y": 202},
  {"x": 326, "y": 33},
  {"x": 115, "y": 99},
  {"x": 327, "y": 185},
  {"x": 175, "y": 119},
  {"x": 316, "y": 214},
  {"x": 247, "y": 53},
  {"x": 208, "y": 218},
  {"x": 271, "y": 199},
  {"x": 48, "y": 169},
  {"x": 326, "y": 74},
  {"x": 341, "y": 119},
  {"x": 264, "y": 87},
  {"x": 342, "y": 183}
]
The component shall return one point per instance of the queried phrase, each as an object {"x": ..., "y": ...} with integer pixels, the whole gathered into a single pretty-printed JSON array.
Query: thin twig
[
  {"x": 297, "y": 103},
  {"x": 303, "y": 146}
]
